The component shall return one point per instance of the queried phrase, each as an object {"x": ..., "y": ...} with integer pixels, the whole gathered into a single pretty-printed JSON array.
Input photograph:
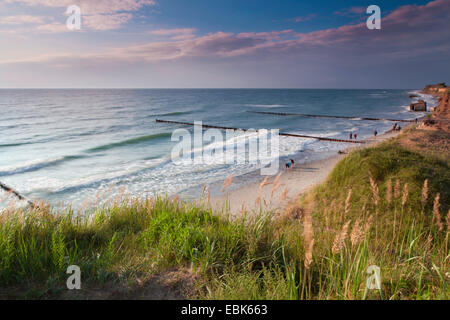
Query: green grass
[{"x": 255, "y": 256}]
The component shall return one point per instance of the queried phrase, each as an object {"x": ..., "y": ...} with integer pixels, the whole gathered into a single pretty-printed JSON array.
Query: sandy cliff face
[
  {"x": 440, "y": 117},
  {"x": 435, "y": 89},
  {"x": 442, "y": 113}
]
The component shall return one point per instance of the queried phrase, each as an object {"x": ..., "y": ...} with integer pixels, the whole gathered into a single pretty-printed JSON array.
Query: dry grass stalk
[
  {"x": 264, "y": 183},
  {"x": 243, "y": 208},
  {"x": 436, "y": 214},
  {"x": 333, "y": 206},
  {"x": 308, "y": 235},
  {"x": 447, "y": 221},
  {"x": 389, "y": 191},
  {"x": 375, "y": 191},
  {"x": 150, "y": 206},
  {"x": 428, "y": 243},
  {"x": 275, "y": 187},
  {"x": 227, "y": 183},
  {"x": 283, "y": 196},
  {"x": 12, "y": 205},
  {"x": 397, "y": 189},
  {"x": 363, "y": 209},
  {"x": 258, "y": 200},
  {"x": 203, "y": 190},
  {"x": 333, "y": 212},
  {"x": 339, "y": 241},
  {"x": 308, "y": 254},
  {"x": 405, "y": 194},
  {"x": 297, "y": 197},
  {"x": 368, "y": 225},
  {"x": 275, "y": 181},
  {"x": 425, "y": 192},
  {"x": 6, "y": 196},
  {"x": 357, "y": 234},
  {"x": 293, "y": 212},
  {"x": 347, "y": 201}
]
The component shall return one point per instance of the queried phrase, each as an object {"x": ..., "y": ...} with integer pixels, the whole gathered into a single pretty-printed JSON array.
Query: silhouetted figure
[
  {"x": 375, "y": 133},
  {"x": 351, "y": 136},
  {"x": 355, "y": 136},
  {"x": 287, "y": 166}
]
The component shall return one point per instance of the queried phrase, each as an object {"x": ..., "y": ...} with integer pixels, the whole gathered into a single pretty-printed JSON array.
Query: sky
[{"x": 223, "y": 44}]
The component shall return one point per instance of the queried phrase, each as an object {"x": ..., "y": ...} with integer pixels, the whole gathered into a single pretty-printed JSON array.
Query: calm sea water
[{"x": 72, "y": 145}]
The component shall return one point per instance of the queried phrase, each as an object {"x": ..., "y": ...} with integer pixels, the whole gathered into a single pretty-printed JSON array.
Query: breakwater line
[
  {"x": 281, "y": 133},
  {"x": 327, "y": 116}
]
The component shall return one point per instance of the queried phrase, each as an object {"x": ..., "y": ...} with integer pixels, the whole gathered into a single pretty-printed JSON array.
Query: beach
[{"x": 254, "y": 197}]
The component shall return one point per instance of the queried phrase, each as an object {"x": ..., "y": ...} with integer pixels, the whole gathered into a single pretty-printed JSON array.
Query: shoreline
[{"x": 253, "y": 198}]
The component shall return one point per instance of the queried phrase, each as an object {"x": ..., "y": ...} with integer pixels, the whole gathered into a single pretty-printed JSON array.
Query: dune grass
[{"x": 374, "y": 209}]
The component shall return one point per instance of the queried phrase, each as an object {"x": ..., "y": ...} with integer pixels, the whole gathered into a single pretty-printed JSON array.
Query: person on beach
[
  {"x": 394, "y": 127},
  {"x": 355, "y": 136},
  {"x": 288, "y": 166},
  {"x": 292, "y": 163},
  {"x": 399, "y": 128},
  {"x": 351, "y": 136},
  {"x": 375, "y": 133}
]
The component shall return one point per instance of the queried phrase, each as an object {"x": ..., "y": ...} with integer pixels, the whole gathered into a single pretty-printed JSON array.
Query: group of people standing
[
  {"x": 352, "y": 135},
  {"x": 289, "y": 165},
  {"x": 396, "y": 127}
]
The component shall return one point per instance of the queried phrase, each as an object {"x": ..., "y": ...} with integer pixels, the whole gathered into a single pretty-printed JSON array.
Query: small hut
[{"x": 418, "y": 106}]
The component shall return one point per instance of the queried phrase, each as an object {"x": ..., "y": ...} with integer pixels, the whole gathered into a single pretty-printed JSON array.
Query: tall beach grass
[{"x": 383, "y": 206}]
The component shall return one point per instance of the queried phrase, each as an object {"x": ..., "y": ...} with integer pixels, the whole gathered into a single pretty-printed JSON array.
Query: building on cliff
[{"x": 418, "y": 106}]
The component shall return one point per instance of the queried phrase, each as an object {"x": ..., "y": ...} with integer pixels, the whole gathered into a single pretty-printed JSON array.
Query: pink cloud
[
  {"x": 175, "y": 34},
  {"x": 351, "y": 11},
  {"x": 22, "y": 19},
  {"x": 54, "y": 27},
  {"x": 169, "y": 32},
  {"x": 106, "y": 21},
  {"x": 91, "y": 6},
  {"x": 305, "y": 18},
  {"x": 96, "y": 14},
  {"x": 405, "y": 27},
  {"x": 408, "y": 31}
]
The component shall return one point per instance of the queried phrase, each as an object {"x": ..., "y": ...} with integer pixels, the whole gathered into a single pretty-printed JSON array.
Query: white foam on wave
[
  {"x": 114, "y": 175},
  {"x": 170, "y": 178},
  {"x": 29, "y": 166}
]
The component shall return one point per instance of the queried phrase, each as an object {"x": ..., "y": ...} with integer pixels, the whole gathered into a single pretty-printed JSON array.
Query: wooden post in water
[
  {"x": 326, "y": 116},
  {"x": 17, "y": 194}
]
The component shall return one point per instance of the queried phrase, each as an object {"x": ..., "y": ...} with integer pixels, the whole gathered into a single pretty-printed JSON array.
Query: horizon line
[{"x": 198, "y": 88}]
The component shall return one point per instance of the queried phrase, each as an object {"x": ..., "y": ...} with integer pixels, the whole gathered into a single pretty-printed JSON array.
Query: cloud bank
[
  {"x": 410, "y": 30},
  {"x": 97, "y": 15}
]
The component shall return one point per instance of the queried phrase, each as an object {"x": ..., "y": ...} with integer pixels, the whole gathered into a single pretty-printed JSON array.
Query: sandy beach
[{"x": 290, "y": 185}]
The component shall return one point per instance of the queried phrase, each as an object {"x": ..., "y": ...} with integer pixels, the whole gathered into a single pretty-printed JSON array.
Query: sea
[{"x": 73, "y": 147}]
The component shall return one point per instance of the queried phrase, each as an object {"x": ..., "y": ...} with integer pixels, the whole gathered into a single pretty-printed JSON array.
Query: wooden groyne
[
  {"x": 328, "y": 116},
  {"x": 17, "y": 194},
  {"x": 281, "y": 133}
]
